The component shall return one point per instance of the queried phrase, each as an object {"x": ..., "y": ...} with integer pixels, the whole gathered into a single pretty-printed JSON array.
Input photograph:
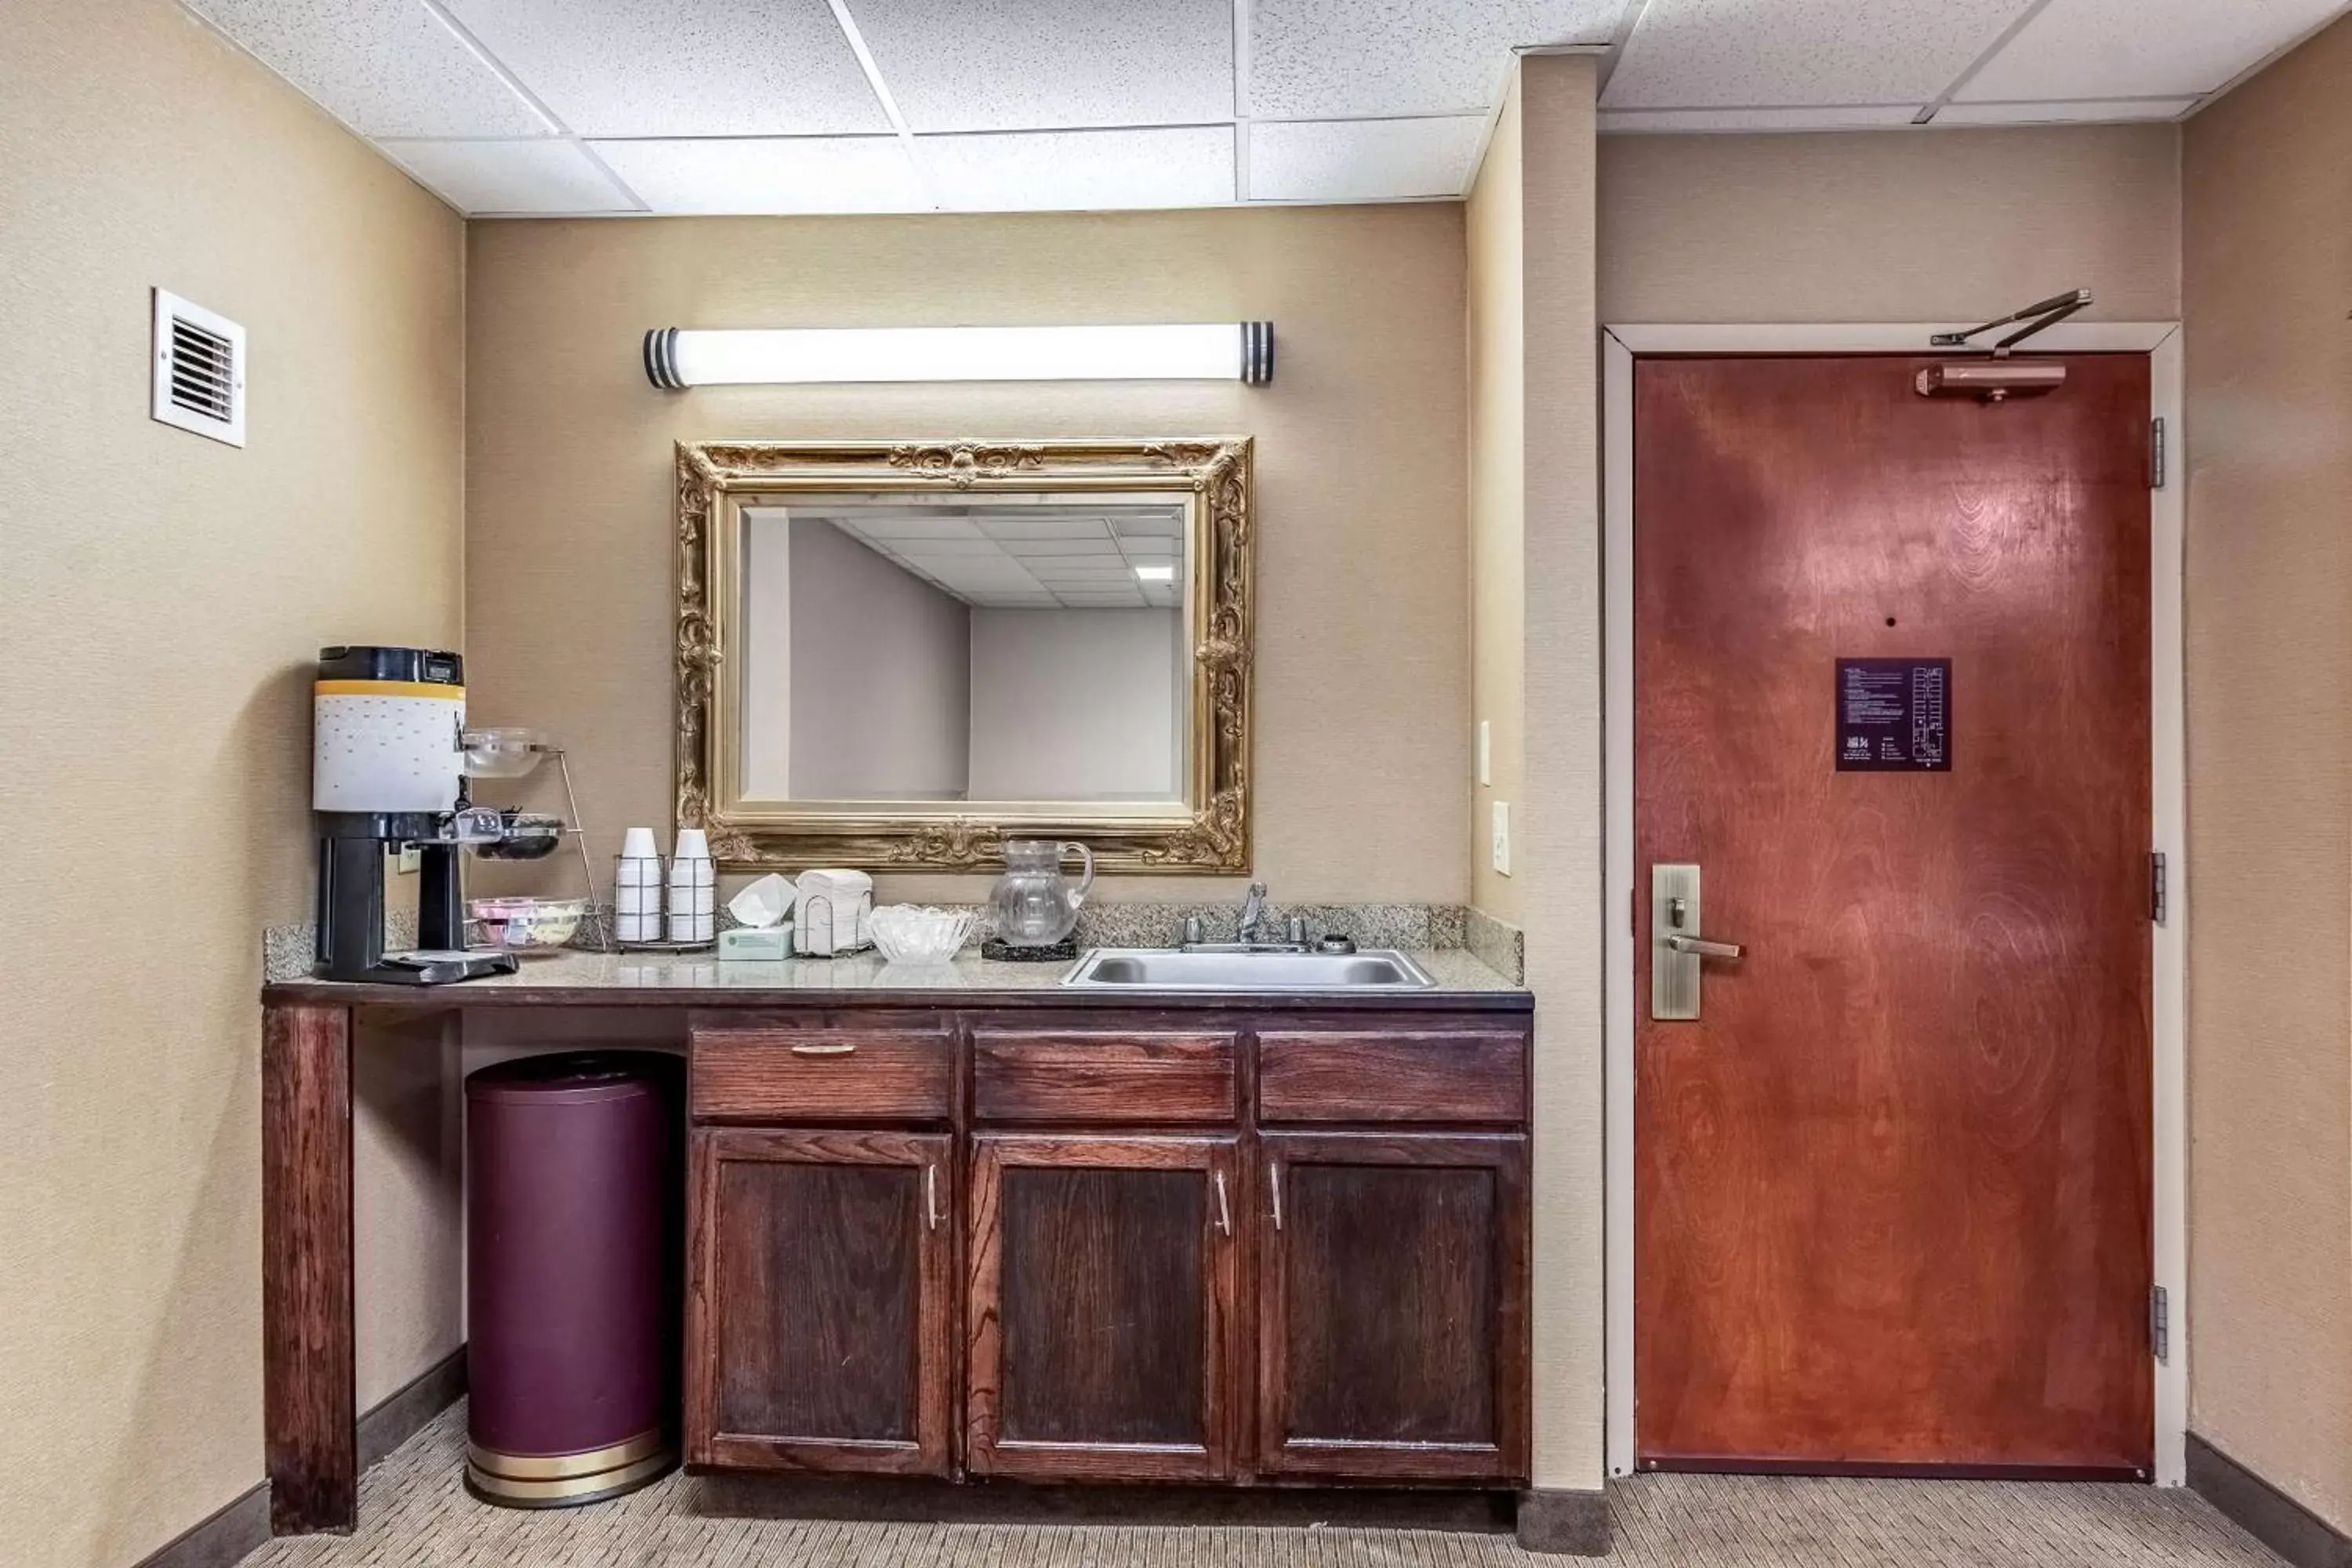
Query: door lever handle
[{"x": 1702, "y": 949}]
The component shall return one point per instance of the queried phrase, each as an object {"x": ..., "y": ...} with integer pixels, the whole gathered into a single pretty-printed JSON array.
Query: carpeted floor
[{"x": 415, "y": 1514}]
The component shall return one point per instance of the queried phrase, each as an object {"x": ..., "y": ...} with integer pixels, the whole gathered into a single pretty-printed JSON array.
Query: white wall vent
[{"x": 199, "y": 370}]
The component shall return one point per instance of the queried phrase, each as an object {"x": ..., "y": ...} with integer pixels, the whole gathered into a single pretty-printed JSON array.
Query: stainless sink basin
[{"x": 1163, "y": 969}]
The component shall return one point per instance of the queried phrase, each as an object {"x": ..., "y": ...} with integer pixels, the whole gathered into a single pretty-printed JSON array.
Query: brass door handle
[{"x": 1704, "y": 949}]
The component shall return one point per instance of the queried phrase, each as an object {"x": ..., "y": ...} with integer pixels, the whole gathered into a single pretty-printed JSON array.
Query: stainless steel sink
[{"x": 1164, "y": 969}]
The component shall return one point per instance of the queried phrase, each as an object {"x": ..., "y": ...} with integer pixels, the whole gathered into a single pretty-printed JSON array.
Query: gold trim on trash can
[{"x": 563, "y": 1479}]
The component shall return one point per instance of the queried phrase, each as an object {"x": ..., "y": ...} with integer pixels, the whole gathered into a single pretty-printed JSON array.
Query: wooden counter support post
[{"x": 309, "y": 1415}]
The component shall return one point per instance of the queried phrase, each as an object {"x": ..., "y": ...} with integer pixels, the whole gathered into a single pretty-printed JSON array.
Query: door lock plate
[{"x": 1674, "y": 912}]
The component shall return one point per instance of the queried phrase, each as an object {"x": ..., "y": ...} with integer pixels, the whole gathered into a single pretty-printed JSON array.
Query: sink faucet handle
[
  {"x": 1192, "y": 936},
  {"x": 1297, "y": 929}
]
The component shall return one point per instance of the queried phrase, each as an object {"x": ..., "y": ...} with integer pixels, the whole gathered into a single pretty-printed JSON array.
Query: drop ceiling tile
[
  {"x": 537, "y": 178},
  {"x": 934, "y": 549},
  {"x": 770, "y": 174},
  {"x": 2072, "y": 112},
  {"x": 1334, "y": 60},
  {"x": 1851, "y": 118},
  {"x": 388, "y": 67},
  {"x": 1036, "y": 64},
  {"x": 1052, "y": 549},
  {"x": 897, "y": 528},
  {"x": 2141, "y": 48},
  {"x": 1738, "y": 54},
  {"x": 681, "y": 68},
  {"x": 1362, "y": 160},
  {"x": 1079, "y": 170},
  {"x": 1016, "y": 532}
]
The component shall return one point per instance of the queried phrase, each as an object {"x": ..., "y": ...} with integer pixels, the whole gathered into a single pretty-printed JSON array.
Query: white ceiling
[
  {"x": 1034, "y": 558},
  {"x": 546, "y": 107}
]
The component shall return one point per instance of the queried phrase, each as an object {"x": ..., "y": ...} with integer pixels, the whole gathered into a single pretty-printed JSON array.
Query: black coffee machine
[{"x": 388, "y": 772}]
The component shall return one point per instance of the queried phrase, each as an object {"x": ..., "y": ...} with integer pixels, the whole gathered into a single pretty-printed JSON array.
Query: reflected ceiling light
[
  {"x": 680, "y": 357},
  {"x": 1156, "y": 573}
]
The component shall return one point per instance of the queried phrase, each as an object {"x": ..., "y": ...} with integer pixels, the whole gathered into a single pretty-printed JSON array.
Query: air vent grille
[{"x": 199, "y": 370}]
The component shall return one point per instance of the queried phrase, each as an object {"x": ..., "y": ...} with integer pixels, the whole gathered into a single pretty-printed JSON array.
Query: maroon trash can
[{"x": 574, "y": 1201}]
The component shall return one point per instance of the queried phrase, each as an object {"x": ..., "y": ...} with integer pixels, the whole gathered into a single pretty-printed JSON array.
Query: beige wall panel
[
  {"x": 1559, "y": 831},
  {"x": 2268, "y": 227},
  {"x": 1889, "y": 226},
  {"x": 1363, "y": 678},
  {"x": 1499, "y": 497},
  {"x": 162, "y": 600}
]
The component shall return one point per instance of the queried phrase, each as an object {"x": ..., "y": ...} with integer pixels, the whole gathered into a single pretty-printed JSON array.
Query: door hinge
[
  {"x": 2159, "y": 1323},
  {"x": 2156, "y": 896},
  {"x": 2156, "y": 454}
]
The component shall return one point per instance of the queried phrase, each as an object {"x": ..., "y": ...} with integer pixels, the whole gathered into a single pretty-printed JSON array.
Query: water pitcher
[{"x": 1034, "y": 904}]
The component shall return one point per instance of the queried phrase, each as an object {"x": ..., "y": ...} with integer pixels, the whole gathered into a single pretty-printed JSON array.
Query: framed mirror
[{"x": 899, "y": 654}]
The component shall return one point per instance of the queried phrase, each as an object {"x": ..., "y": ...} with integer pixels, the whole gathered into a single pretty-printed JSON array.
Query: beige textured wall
[
  {"x": 1362, "y": 679},
  {"x": 1534, "y": 527},
  {"x": 1496, "y": 330},
  {"x": 1889, "y": 226},
  {"x": 162, "y": 599},
  {"x": 1558, "y": 830},
  {"x": 2268, "y": 276}
]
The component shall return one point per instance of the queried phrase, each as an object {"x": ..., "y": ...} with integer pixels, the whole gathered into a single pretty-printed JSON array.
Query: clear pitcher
[{"x": 1034, "y": 905}]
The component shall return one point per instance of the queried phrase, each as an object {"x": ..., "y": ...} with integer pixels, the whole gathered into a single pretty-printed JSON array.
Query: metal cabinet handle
[
  {"x": 835, "y": 1048},
  {"x": 1704, "y": 949},
  {"x": 1274, "y": 1184},
  {"x": 1224, "y": 1215},
  {"x": 931, "y": 1194}
]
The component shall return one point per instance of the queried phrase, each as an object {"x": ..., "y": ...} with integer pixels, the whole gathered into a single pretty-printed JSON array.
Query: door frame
[{"x": 2160, "y": 341}]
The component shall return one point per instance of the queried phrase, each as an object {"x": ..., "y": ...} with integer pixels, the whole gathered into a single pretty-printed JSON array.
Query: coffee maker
[{"x": 387, "y": 773}]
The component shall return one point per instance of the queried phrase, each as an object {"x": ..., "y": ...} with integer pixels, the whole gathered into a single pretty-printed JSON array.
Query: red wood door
[{"x": 1892, "y": 1185}]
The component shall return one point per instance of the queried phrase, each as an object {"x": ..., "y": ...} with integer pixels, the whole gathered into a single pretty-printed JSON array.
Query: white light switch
[
  {"x": 1486, "y": 752},
  {"x": 1503, "y": 836}
]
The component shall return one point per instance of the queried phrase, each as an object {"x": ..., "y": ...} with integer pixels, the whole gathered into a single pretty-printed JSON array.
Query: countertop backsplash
[{"x": 288, "y": 949}]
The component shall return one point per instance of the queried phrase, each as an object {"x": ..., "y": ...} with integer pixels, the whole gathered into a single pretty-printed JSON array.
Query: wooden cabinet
[
  {"x": 1105, "y": 1273},
  {"x": 1194, "y": 1245},
  {"x": 1392, "y": 1307},
  {"x": 820, "y": 1304}
]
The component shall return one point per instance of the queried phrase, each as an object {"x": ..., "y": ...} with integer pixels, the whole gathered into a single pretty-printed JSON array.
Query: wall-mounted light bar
[{"x": 680, "y": 357}]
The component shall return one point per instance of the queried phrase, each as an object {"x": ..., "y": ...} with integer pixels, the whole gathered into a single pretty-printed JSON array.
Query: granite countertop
[{"x": 598, "y": 979}]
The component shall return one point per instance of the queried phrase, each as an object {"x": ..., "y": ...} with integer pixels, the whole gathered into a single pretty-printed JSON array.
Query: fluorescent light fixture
[
  {"x": 680, "y": 357},
  {"x": 1156, "y": 573}
]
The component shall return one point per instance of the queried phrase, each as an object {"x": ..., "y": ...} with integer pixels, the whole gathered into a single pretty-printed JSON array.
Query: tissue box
[{"x": 755, "y": 944}]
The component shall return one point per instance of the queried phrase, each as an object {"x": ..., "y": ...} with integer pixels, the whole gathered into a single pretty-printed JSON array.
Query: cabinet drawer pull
[
  {"x": 1274, "y": 1184},
  {"x": 837, "y": 1049},
  {"x": 931, "y": 1194},
  {"x": 1224, "y": 1215}
]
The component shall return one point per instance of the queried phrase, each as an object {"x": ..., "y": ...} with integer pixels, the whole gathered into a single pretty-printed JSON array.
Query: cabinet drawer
[
  {"x": 1124, "y": 1077},
  {"x": 854, "y": 1075},
  {"x": 1393, "y": 1075}
]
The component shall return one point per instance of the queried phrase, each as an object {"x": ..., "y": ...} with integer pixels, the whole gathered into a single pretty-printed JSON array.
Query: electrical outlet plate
[
  {"x": 1502, "y": 852},
  {"x": 411, "y": 859}
]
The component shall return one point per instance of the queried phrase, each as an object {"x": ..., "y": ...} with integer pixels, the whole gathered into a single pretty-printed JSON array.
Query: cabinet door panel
[
  {"x": 1104, "y": 1273},
  {"x": 818, "y": 1322},
  {"x": 1392, "y": 1328}
]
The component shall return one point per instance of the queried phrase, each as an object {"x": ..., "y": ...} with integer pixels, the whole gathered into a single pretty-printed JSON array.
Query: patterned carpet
[{"x": 415, "y": 1514}]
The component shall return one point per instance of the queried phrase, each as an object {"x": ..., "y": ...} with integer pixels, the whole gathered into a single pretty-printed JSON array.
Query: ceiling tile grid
[
  {"x": 2108, "y": 49},
  {"x": 1047, "y": 65},
  {"x": 681, "y": 68},
  {"x": 384, "y": 68},
  {"x": 1362, "y": 160},
  {"x": 1333, "y": 60},
  {"x": 1044, "y": 171},
  {"x": 577, "y": 106},
  {"x": 538, "y": 178},
  {"x": 771, "y": 174},
  {"x": 1737, "y": 54}
]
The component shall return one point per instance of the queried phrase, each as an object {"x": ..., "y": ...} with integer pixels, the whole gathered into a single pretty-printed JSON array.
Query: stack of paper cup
[
  {"x": 693, "y": 889},
  {"x": 638, "y": 889}
]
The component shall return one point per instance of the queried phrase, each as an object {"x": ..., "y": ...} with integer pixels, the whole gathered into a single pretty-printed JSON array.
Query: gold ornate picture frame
[{"x": 1207, "y": 834}]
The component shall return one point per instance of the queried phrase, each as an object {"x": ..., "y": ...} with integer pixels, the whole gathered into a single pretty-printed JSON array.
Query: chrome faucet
[{"x": 1253, "y": 911}]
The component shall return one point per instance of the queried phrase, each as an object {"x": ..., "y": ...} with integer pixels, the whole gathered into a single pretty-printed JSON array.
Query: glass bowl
[
  {"x": 908, "y": 933},
  {"x": 527, "y": 925}
]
